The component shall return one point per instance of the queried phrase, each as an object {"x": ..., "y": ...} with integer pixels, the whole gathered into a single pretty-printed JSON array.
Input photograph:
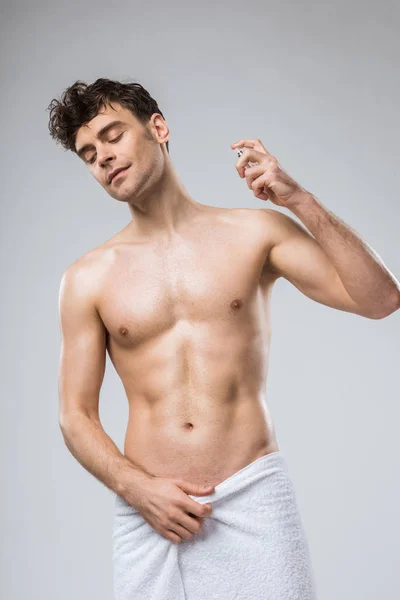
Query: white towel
[{"x": 252, "y": 547}]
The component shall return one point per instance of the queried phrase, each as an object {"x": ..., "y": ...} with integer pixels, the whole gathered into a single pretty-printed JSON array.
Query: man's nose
[{"x": 105, "y": 157}]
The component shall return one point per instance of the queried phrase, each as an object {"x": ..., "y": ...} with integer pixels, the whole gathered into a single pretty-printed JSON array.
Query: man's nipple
[{"x": 236, "y": 303}]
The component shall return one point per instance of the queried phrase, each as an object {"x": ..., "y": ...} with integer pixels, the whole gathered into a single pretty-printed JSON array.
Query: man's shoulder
[
  {"x": 239, "y": 215},
  {"x": 87, "y": 261},
  {"x": 279, "y": 224},
  {"x": 272, "y": 215},
  {"x": 84, "y": 272},
  {"x": 267, "y": 221},
  {"x": 260, "y": 215}
]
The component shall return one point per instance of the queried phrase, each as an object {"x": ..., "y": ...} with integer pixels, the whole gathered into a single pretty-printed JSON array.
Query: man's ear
[{"x": 160, "y": 127}]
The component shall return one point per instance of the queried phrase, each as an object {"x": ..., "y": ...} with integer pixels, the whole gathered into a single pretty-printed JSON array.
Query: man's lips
[{"x": 118, "y": 173}]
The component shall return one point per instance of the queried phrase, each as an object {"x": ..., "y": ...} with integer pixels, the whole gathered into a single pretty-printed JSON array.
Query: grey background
[{"x": 318, "y": 84}]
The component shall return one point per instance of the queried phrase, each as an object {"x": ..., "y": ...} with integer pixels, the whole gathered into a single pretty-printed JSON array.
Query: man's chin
[{"x": 126, "y": 196}]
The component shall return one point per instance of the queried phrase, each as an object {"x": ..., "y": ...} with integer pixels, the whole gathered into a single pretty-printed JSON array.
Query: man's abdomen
[{"x": 199, "y": 439}]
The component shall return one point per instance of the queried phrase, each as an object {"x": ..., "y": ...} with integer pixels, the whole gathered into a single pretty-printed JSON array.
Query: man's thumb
[{"x": 195, "y": 489}]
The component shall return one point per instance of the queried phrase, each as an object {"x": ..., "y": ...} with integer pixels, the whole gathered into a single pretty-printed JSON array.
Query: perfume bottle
[{"x": 250, "y": 163}]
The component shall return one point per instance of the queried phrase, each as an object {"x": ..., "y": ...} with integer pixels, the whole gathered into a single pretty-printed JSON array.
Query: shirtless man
[{"x": 180, "y": 299}]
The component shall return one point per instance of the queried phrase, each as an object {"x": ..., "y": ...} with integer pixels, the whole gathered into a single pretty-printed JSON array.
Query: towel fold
[{"x": 252, "y": 547}]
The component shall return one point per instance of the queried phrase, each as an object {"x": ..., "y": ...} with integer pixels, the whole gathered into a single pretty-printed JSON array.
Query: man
[{"x": 180, "y": 299}]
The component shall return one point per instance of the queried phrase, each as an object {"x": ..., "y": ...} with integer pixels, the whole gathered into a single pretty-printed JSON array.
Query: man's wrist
[
  {"x": 302, "y": 201},
  {"x": 130, "y": 477}
]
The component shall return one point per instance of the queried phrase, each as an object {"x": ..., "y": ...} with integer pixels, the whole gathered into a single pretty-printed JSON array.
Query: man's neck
[{"x": 163, "y": 210}]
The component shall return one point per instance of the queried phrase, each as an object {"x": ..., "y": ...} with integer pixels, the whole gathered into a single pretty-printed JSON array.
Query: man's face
[{"x": 125, "y": 144}]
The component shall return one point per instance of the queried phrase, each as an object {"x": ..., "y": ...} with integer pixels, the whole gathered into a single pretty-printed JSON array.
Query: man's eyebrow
[{"x": 100, "y": 134}]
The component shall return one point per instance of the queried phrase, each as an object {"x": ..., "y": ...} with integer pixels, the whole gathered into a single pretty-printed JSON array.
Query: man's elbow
[
  {"x": 70, "y": 420},
  {"x": 386, "y": 310}
]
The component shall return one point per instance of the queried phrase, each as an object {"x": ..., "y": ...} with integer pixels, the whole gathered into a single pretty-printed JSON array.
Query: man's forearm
[
  {"x": 361, "y": 270},
  {"x": 97, "y": 453}
]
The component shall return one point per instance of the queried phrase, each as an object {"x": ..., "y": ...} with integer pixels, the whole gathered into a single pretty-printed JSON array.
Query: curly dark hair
[{"x": 81, "y": 102}]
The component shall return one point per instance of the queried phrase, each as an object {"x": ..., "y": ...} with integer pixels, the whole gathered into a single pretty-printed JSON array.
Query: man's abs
[
  {"x": 188, "y": 332},
  {"x": 205, "y": 441}
]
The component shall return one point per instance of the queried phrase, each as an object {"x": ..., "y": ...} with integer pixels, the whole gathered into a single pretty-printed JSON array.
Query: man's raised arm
[
  {"x": 335, "y": 267},
  {"x": 81, "y": 373}
]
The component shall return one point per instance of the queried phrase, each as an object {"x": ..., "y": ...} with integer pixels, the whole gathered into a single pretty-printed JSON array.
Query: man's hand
[
  {"x": 164, "y": 504},
  {"x": 267, "y": 179}
]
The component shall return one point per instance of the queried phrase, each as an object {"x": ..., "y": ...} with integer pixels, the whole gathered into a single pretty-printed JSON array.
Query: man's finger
[
  {"x": 250, "y": 155},
  {"x": 255, "y": 144}
]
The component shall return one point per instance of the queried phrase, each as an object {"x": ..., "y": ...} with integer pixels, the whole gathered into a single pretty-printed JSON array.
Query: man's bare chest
[{"x": 147, "y": 290}]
